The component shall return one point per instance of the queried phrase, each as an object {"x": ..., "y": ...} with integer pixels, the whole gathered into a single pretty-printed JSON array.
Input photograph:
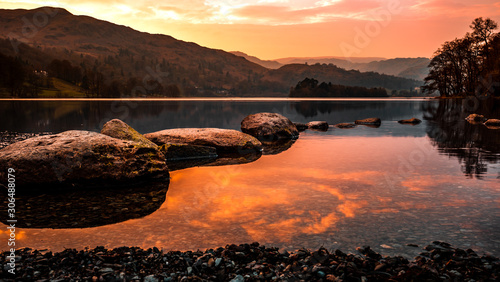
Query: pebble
[{"x": 438, "y": 261}]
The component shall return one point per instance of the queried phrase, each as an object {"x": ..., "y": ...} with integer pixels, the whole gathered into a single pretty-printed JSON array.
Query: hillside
[
  {"x": 293, "y": 73},
  {"x": 265, "y": 63},
  {"x": 412, "y": 68},
  {"x": 105, "y": 59}
]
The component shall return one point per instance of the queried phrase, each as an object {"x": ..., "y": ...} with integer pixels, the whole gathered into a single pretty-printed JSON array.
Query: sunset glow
[{"x": 272, "y": 29}]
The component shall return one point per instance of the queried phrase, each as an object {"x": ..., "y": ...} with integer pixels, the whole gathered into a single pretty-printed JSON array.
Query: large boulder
[
  {"x": 119, "y": 129},
  {"x": 224, "y": 140},
  {"x": 80, "y": 158},
  {"x": 269, "y": 126}
]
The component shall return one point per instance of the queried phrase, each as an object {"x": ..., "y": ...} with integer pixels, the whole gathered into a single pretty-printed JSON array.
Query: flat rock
[
  {"x": 80, "y": 158},
  {"x": 345, "y": 125},
  {"x": 410, "y": 121},
  {"x": 119, "y": 129},
  {"x": 223, "y": 140},
  {"x": 475, "y": 118},
  {"x": 269, "y": 126},
  {"x": 369, "y": 121},
  {"x": 318, "y": 125},
  {"x": 174, "y": 152}
]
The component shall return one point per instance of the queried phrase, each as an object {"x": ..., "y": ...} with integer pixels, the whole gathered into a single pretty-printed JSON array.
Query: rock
[
  {"x": 300, "y": 126},
  {"x": 410, "y": 121},
  {"x": 492, "y": 122},
  {"x": 475, "y": 118},
  {"x": 81, "y": 158},
  {"x": 345, "y": 125},
  {"x": 238, "y": 278},
  {"x": 174, "y": 152},
  {"x": 368, "y": 121},
  {"x": 269, "y": 126},
  {"x": 223, "y": 140},
  {"x": 120, "y": 130},
  {"x": 318, "y": 125}
]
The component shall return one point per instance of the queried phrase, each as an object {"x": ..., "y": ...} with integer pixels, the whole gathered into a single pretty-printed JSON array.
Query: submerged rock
[
  {"x": 318, "y": 125},
  {"x": 80, "y": 158},
  {"x": 174, "y": 152},
  {"x": 224, "y": 140},
  {"x": 410, "y": 121},
  {"x": 369, "y": 121},
  {"x": 120, "y": 130},
  {"x": 269, "y": 126},
  {"x": 345, "y": 125}
]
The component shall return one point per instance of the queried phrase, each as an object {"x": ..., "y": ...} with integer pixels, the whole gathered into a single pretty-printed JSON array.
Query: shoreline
[{"x": 438, "y": 261}]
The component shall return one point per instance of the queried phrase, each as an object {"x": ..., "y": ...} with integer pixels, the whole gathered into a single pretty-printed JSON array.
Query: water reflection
[
  {"x": 474, "y": 145},
  {"x": 82, "y": 208},
  {"x": 326, "y": 190},
  {"x": 150, "y": 116},
  {"x": 222, "y": 160}
]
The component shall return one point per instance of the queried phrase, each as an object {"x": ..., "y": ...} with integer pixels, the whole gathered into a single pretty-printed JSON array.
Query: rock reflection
[
  {"x": 277, "y": 147},
  {"x": 83, "y": 209},
  {"x": 222, "y": 160},
  {"x": 474, "y": 145}
]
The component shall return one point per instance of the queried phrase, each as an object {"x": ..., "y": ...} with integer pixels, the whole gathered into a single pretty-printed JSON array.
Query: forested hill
[
  {"x": 291, "y": 74},
  {"x": 106, "y": 59}
]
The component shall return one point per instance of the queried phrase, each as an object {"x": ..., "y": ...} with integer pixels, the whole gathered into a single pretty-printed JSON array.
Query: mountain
[
  {"x": 412, "y": 68},
  {"x": 265, "y": 63},
  {"x": 105, "y": 59},
  {"x": 291, "y": 74}
]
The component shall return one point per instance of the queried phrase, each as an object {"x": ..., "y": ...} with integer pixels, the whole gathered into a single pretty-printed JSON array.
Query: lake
[{"x": 385, "y": 186}]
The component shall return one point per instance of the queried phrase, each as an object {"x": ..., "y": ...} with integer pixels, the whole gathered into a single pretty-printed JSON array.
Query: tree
[{"x": 456, "y": 68}]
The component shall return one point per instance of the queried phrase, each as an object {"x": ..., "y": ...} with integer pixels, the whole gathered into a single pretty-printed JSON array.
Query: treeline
[
  {"x": 19, "y": 78},
  {"x": 467, "y": 66},
  {"x": 310, "y": 87}
]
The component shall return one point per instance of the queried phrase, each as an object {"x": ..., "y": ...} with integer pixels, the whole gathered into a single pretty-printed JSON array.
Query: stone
[
  {"x": 410, "y": 121},
  {"x": 300, "y": 126},
  {"x": 223, "y": 140},
  {"x": 475, "y": 118},
  {"x": 269, "y": 127},
  {"x": 492, "y": 122},
  {"x": 345, "y": 125},
  {"x": 318, "y": 125},
  {"x": 369, "y": 121},
  {"x": 120, "y": 130},
  {"x": 175, "y": 152},
  {"x": 81, "y": 158}
]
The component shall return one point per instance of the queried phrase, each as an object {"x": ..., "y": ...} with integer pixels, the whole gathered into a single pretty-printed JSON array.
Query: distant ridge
[{"x": 128, "y": 58}]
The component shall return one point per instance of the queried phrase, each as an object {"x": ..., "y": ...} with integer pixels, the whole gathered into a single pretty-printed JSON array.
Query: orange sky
[{"x": 271, "y": 29}]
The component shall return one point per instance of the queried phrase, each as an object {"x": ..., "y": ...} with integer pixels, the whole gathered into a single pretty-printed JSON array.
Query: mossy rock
[{"x": 120, "y": 130}]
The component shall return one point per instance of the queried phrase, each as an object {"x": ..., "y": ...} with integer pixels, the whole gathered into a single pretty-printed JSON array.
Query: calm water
[{"x": 384, "y": 187}]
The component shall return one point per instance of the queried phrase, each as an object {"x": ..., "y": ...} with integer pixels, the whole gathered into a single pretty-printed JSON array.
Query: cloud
[{"x": 453, "y": 8}]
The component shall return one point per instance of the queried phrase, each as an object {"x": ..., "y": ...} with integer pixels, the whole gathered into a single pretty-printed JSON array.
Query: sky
[{"x": 272, "y": 29}]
